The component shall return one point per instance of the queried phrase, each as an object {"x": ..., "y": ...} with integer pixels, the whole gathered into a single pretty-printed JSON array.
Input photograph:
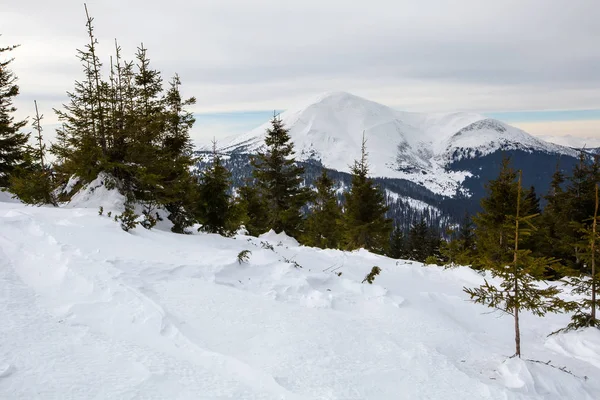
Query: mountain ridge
[{"x": 419, "y": 147}]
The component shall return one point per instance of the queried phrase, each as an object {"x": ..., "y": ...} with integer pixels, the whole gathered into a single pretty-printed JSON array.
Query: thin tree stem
[
  {"x": 516, "y": 280},
  {"x": 593, "y": 248}
]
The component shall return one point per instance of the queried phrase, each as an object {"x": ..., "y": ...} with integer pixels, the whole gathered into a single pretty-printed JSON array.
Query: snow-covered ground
[{"x": 92, "y": 312}]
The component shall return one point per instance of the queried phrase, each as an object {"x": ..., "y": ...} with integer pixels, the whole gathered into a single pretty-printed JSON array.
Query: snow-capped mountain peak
[{"x": 414, "y": 146}]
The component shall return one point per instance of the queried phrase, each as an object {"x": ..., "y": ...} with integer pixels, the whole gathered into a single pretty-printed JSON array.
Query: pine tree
[
  {"x": 492, "y": 227},
  {"x": 253, "y": 209},
  {"x": 579, "y": 205},
  {"x": 82, "y": 137},
  {"x": 130, "y": 128},
  {"x": 531, "y": 202},
  {"x": 397, "y": 244},
  {"x": 460, "y": 248},
  {"x": 12, "y": 141},
  {"x": 215, "y": 206},
  {"x": 32, "y": 183},
  {"x": 586, "y": 281},
  {"x": 324, "y": 224},
  {"x": 176, "y": 187},
  {"x": 364, "y": 216},
  {"x": 519, "y": 288},
  {"x": 418, "y": 241},
  {"x": 551, "y": 237},
  {"x": 279, "y": 180}
]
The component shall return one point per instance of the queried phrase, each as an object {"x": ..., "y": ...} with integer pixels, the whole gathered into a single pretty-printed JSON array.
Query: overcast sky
[{"x": 244, "y": 58}]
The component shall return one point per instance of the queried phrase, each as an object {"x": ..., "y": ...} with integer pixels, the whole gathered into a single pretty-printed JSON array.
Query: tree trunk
[
  {"x": 516, "y": 273},
  {"x": 593, "y": 245}
]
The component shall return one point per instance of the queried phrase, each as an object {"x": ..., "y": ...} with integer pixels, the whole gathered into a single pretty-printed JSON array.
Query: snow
[
  {"x": 413, "y": 146},
  {"x": 96, "y": 194},
  {"x": 91, "y": 311},
  {"x": 279, "y": 238},
  {"x": 576, "y": 142},
  {"x": 7, "y": 197},
  {"x": 413, "y": 203}
]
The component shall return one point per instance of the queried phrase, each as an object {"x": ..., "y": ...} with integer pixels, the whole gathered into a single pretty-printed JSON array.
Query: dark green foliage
[
  {"x": 244, "y": 256},
  {"x": 494, "y": 224},
  {"x": 215, "y": 207},
  {"x": 466, "y": 234},
  {"x": 128, "y": 219},
  {"x": 518, "y": 271},
  {"x": 101, "y": 211},
  {"x": 365, "y": 223},
  {"x": 370, "y": 278},
  {"x": 323, "y": 226},
  {"x": 279, "y": 181},
  {"x": 12, "y": 141},
  {"x": 531, "y": 202},
  {"x": 418, "y": 236},
  {"x": 460, "y": 248},
  {"x": 267, "y": 246},
  {"x": 32, "y": 186},
  {"x": 586, "y": 281},
  {"x": 398, "y": 244},
  {"x": 149, "y": 220},
  {"x": 254, "y": 210},
  {"x": 132, "y": 129},
  {"x": 32, "y": 180}
]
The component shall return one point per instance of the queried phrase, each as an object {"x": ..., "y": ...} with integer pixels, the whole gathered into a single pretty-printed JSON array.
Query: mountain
[
  {"x": 417, "y": 147},
  {"x": 431, "y": 165}
]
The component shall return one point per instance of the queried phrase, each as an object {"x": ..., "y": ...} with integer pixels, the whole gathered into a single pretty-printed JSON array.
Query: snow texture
[
  {"x": 7, "y": 197},
  {"x": 412, "y": 146},
  {"x": 90, "y": 311}
]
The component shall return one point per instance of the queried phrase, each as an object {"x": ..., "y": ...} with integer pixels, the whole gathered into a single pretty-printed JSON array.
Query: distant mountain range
[{"x": 434, "y": 163}]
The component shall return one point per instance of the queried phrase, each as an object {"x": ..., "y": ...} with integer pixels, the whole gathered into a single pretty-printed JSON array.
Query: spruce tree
[
  {"x": 174, "y": 158},
  {"x": 130, "y": 128},
  {"x": 215, "y": 206},
  {"x": 492, "y": 225},
  {"x": 253, "y": 209},
  {"x": 519, "y": 287},
  {"x": 586, "y": 280},
  {"x": 397, "y": 243},
  {"x": 552, "y": 235},
  {"x": 460, "y": 248},
  {"x": 531, "y": 202},
  {"x": 32, "y": 183},
  {"x": 279, "y": 181},
  {"x": 324, "y": 224},
  {"x": 12, "y": 140},
  {"x": 82, "y": 137},
  {"x": 418, "y": 238},
  {"x": 366, "y": 225}
]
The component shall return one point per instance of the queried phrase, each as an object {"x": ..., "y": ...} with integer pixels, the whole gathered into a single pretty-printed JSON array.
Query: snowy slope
[
  {"x": 90, "y": 311},
  {"x": 413, "y": 146}
]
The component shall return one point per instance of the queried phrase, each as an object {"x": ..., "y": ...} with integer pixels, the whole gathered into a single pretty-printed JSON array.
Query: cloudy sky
[{"x": 532, "y": 63}]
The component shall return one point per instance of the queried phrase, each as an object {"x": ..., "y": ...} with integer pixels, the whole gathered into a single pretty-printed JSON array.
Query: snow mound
[
  {"x": 279, "y": 238},
  {"x": 583, "y": 345},
  {"x": 91, "y": 311},
  {"x": 536, "y": 379},
  {"x": 101, "y": 192}
]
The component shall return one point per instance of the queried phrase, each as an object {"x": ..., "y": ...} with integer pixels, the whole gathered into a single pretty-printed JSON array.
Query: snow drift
[{"x": 90, "y": 311}]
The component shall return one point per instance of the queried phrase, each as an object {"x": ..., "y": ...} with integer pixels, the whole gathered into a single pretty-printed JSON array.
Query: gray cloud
[{"x": 431, "y": 55}]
